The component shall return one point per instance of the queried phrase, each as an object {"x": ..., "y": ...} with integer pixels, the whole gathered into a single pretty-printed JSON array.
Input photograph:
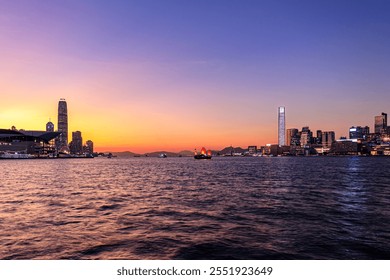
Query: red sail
[
  {"x": 203, "y": 151},
  {"x": 209, "y": 152}
]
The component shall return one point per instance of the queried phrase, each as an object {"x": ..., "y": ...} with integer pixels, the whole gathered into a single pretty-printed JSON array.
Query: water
[{"x": 181, "y": 208}]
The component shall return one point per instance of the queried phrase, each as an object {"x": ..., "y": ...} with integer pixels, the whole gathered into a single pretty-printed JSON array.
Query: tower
[
  {"x": 62, "y": 143},
  {"x": 50, "y": 126},
  {"x": 281, "y": 126}
]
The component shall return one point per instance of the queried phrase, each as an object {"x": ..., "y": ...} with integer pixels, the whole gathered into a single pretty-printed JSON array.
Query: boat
[
  {"x": 15, "y": 155},
  {"x": 203, "y": 154},
  {"x": 163, "y": 155}
]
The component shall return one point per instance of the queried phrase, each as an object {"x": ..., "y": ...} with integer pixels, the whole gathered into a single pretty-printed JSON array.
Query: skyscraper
[
  {"x": 76, "y": 146},
  {"x": 328, "y": 137},
  {"x": 380, "y": 122},
  {"x": 62, "y": 142},
  {"x": 281, "y": 126}
]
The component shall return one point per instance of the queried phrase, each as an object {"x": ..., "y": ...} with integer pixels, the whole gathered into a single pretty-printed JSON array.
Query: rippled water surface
[{"x": 181, "y": 208}]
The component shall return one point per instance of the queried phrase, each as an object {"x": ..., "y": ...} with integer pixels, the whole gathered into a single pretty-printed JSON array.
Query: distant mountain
[
  {"x": 124, "y": 154},
  {"x": 158, "y": 153},
  {"x": 186, "y": 153},
  {"x": 229, "y": 150},
  {"x": 152, "y": 154}
]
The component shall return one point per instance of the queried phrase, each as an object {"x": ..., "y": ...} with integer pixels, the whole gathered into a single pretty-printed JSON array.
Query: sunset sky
[{"x": 174, "y": 75}]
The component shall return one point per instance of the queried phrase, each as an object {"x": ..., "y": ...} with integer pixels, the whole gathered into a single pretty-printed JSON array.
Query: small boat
[
  {"x": 203, "y": 154},
  {"x": 163, "y": 155}
]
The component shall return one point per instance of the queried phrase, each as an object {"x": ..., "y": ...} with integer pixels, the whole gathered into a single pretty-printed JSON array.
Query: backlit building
[
  {"x": 380, "y": 122},
  {"x": 50, "y": 127},
  {"x": 62, "y": 141},
  {"x": 76, "y": 146},
  {"x": 89, "y": 145},
  {"x": 328, "y": 137}
]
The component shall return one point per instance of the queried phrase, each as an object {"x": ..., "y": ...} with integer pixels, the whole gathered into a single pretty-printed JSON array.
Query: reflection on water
[{"x": 180, "y": 208}]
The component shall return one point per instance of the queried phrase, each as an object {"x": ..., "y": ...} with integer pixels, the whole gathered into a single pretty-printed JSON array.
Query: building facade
[
  {"x": 306, "y": 136},
  {"x": 380, "y": 122},
  {"x": 252, "y": 150},
  {"x": 76, "y": 146},
  {"x": 356, "y": 132},
  {"x": 89, "y": 147},
  {"x": 281, "y": 126},
  {"x": 292, "y": 137},
  {"x": 328, "y": 137},
  {"x": 50, "y": 127},
  {"x": 62, "y": 141}
]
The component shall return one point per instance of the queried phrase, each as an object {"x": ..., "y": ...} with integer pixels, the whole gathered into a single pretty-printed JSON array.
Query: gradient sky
[{"x": 173, "y": 75}]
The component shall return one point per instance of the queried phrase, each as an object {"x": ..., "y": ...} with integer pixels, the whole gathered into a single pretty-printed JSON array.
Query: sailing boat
[{"x": 203, "y": 154}]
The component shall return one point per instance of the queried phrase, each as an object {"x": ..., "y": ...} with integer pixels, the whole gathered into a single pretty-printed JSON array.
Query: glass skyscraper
[
  {"x": 281, "y": 126},
  {"x": 62, "y": 142}
]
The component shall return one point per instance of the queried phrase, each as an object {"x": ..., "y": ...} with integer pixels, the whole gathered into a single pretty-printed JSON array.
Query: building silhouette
[
  {"x": 89, "y": 147},
  {"x": 62, "y": 140},
  {"x": 318, "y": 139},
  {"x": 328, "y": 137},
  {"x": 306, "y": 136},
  {"x": 292, "y": 137},
  {"x": 281, "y": 126},
  {"x": 50, "y": 126},
  {"x": 380, "y": 122},
  {"x": 76, "y": 146}
]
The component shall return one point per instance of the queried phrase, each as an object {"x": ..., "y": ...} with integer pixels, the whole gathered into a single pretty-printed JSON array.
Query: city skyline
[
  {"x": 286, "y": 136},
  {"x": 150, "y": 76}
]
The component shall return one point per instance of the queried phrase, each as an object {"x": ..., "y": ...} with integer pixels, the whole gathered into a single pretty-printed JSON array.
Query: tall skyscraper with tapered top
[
  {"x": 281, "y": 126},
  {"x": 62, "y": 141}
]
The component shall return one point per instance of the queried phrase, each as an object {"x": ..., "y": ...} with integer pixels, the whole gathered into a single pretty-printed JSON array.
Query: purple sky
[{"x": 165, "y": 69}]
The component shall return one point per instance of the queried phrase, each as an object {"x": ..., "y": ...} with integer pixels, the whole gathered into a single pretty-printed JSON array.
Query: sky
[{"x": 176, "y": 75}]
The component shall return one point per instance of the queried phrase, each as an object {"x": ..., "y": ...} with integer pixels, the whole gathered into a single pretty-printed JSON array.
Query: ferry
[{"x": 15, "y": 155}]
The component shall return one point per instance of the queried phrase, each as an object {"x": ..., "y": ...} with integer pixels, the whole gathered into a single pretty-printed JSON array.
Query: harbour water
[{"x": 181, "y": 208}]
